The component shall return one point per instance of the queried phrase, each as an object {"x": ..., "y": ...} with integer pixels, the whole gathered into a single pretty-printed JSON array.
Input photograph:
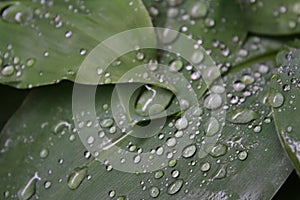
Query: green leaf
[
  {"x": 44, "y": 152},
  {"x": 277, "y": 17},
  {"x": 285, "y": 94},
  {"x": 216, "y": 24},
  {"x": 51, "y": 40}
]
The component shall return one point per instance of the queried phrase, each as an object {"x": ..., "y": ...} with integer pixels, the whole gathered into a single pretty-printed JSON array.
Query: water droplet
[
  {"x": 205, "y": 167},
  {"x": 181, "y": 123},
  {"x": 257, "y": 129},
  {"x": 218, "y": 150},
  {"x": 175, "y": 173},
  {"x": 212, "y": 127},
  {"x": 197, "y": 57},
  {"x": 153, "y": 100},
  {"x": 171, "y": 142},
  {"x": 29, "y": 188},
  {"x": 176, "y": 66},
  {"x": 198, "y": 10},
  {"x": 30, "y": 62},
  {"x": 247, "y": 79},
  {"x": 154, "y": 192},
  {"x": 209, "y": 22},
  {"x": 140, "y": 56},
  {"x": 47, "y": 184},
  {"x": 106, "y": 123},
  {"x": 275, "y": 99},
  {"x": 172, "y": 12},
  {"x": 213, "y": 101},
  {"x": 168, "y": 36},
  {"x": 242, "y": 116},
  {"x": 44, "y": 153},
  {"x": 189, "y": 151},
  {"x": 112, "y": 193},
  {"x": 159, "y": 174},
  {"x": 76, "y": 177},
  {"x": 8, "y": 70},
  {"x": 239, "y": 86},
  {"x": 175, "y": 187},
  {"x": 68, "y": 34},
  {"x": 17, "y": 13},
  {"x": 242, "y": 155},
  {"x": 82, "y": 52}
]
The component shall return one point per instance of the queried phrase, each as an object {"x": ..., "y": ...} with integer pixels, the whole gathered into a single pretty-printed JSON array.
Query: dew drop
[
  {"x": 189, "y": 151},
  {"x": 198, "y": 10},
  {"x": 197, "y": 57},
  {"x": 175, "y": 187},
  {"x": 106, "y": 123},
  {"x": 44, "y": 153},
  {"x": 176, "y": 66},
  {"x": 76, "y": 177},
  {"x": 242, "y": 155},
  {"x": 47, "y": 184},
  {"x": 154, "y": 192},
  {"x": 29, "y": 188},
  {"x": 218, "y": 150},
  {"x": 181, "y": 123},
  {"x": 212, "y": 127},
  {"x": 68, "y": 34},
  {"x": 205, "y": 167},
  {"x": 213, "y": 101},
  {"x": 242, "y": 116},
  {"x": 8, "y": 70},
  {"x": 158, "y": 174},
  {"x": 275, "y": 99}
]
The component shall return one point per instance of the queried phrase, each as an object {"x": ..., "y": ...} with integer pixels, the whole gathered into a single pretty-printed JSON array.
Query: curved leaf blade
[{"x": 286, "y": 85}]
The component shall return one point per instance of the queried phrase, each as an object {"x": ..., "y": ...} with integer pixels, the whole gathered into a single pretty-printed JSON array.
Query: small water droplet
[
  {"x": 47, "y": 184},
  {"x": 242, "y": 155},
  {"x": 205, "y": 167},
  {"x": 44, "y": 153},
  {"x": 68, "y": 34}
]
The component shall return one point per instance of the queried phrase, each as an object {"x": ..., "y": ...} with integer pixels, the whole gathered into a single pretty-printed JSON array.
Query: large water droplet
[
  {"x": 181, "y": 123},
  {"x": 275, "y": 99},
  {"x": 76, "y": 177},
  {"x": 218, "y": 150},
  {"x": 189, "y": 151},
  {"x": 213, "y": 101},
  {"x": 212, "y": 127},
  {"x": 154, "y": 192},
  {"x": 29, "y": 188},
  {"x": 8, "y": 70},
  {"x": 153, "y": 100},
  {"x": 17, "y": 13},
  {"x": 175, "y": 186},
  {"x": 198, "y": 10},
  {"x": 242, "y": 116},
  {"x": 197, "y": 57}
]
